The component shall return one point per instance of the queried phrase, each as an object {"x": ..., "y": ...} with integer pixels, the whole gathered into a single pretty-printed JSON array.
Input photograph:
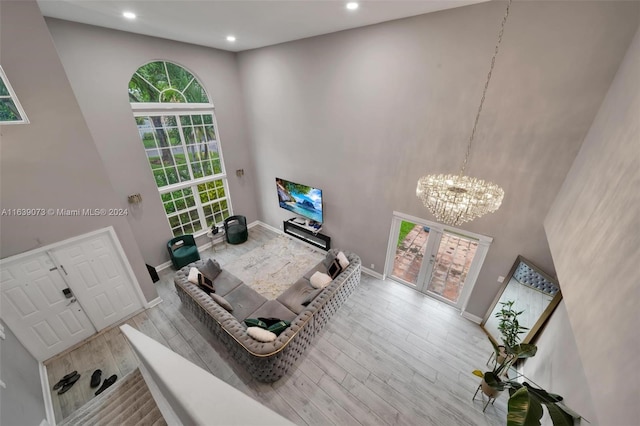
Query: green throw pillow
[
  {"x": 279, "y": 327},
  {"x": 254, "y": 322}
]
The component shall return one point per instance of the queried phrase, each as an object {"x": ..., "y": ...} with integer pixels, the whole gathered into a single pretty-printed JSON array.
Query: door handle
[{"x": 73, "y": 300}]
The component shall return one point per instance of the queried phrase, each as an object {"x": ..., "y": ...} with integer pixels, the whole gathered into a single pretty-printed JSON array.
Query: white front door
[
  {"x": 97, "y": 275},
  {"x": 36, "y": 309}
]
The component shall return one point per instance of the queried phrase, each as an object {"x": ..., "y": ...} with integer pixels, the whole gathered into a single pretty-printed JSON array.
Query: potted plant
[
  {"x": 525, "y": 401},
  {"x": 509, "y": 326}
]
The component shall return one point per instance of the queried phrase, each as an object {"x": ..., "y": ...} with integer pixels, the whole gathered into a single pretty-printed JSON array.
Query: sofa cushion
[
  {"x": 297, "y": 294},
  {"x": 328, "y": 259},
  {"x": 211, "y": 269},
  {"x": 273, "y": 309},
  {"x": 222, "y": 302},
  {"x": 244, "y": 300},
  {"x": 193, "y": 275},
  {"x": 279, "y": 327},
  {"x": 255, "y": 322},
  {"x": 318, "y": 268},
  {"x": 261, "y": 335},
  {"x": 320, "y": 280},
  {"x": 334, "y": 269},
  {"x": 342, "y": 258},
  {"x": 225, "y": 283}
]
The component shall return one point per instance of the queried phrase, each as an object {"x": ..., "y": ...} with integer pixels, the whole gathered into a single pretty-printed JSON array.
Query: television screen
[{"x": 300, "y": 199}]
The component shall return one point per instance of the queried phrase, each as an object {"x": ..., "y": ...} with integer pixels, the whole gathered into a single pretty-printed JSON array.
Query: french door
[{"x": 440, "y": 261}]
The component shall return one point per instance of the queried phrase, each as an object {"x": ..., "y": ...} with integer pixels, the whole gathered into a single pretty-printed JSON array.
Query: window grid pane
[{"x": 181, "y": 147}]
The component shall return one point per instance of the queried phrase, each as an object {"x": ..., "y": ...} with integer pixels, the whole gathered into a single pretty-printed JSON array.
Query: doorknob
[{"x": 73, "y": 300}]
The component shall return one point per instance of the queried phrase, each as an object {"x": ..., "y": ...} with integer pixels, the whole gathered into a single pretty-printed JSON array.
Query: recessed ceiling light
[
  {"x": 231, "y": 38},
  {"x": 352, "y": 5},
  {"x": 129, "y": 15}
]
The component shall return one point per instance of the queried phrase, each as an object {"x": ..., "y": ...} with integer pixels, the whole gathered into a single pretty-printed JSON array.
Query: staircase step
[
  {"x": 127, "y": 402},
  {"x": 119, "y": 392},
  {"x": 151, "y": 418}
]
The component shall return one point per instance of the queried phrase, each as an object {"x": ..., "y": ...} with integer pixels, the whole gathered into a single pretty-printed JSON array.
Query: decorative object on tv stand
[
  {"x": 456, "y": 199},
  {"x": 300, "y": 199}
]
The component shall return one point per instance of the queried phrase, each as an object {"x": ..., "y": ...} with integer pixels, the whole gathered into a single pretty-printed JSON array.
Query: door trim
[
  {"x": 484, "y": 242},
  {"x": 111, "y": 232}
]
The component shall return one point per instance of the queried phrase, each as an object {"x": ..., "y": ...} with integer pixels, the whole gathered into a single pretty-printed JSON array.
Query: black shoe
[
  {"x": 107, "y": 382},
  {"x": 95, "y": 378},
  {"x": 64, "y": 380},
  {"x": 68, "y": 384}
]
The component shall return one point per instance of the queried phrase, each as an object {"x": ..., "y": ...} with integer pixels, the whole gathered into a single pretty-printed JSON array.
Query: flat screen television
[{"x": 300, "y": 199}]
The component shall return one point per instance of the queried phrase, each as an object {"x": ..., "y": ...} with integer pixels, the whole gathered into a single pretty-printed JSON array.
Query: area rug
[{"x": 273, "y": 267}]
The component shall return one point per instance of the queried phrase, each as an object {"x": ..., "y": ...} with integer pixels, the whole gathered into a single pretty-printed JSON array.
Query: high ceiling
[{"x": 254, "y": 23}]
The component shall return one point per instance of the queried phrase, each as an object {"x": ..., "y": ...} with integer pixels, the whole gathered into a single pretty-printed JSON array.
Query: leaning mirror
[{"x": 532, "y": 291}]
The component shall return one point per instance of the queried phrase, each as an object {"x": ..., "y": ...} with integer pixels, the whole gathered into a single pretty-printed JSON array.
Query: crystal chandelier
[{"x": 456, "y": 199}]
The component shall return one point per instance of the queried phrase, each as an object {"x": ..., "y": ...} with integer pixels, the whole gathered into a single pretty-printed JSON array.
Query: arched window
[{"x": 178, "y": 130}]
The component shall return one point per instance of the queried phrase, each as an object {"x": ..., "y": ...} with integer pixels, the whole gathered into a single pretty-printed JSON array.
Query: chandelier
[{"x": 456, "y": 199}]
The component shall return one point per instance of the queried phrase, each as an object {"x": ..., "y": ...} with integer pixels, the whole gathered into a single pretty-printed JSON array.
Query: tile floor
[{"x": 452, "y": 261}]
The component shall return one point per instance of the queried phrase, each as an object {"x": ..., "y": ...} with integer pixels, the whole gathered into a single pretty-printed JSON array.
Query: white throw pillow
[
  {"x": 193, "y": 275},
  {"x": 320, "y": 280},
  {"x": 344, "y": 262},
  {"x": 261, "y": 335}
]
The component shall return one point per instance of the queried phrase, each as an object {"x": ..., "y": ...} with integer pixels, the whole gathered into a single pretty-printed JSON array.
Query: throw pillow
[
  {"x": 261, "y": 335},
  {"x": 254, "y": 322},
  {"x": 279, "y": 327},
  {"x": 335, "y": 269},
  {"x": 205, "y": 284},
  {"x": 269, "y": 321},
  {"x": 222, "y": 302},
  {"x": 320, "y": 280},
  {"x": 344, "y": 262},
  {"x": 311, "y": 296},
  {"x": 211, "y": 269},
  {"x": 193, "y": 275},
  {"x": 328, "y": 260}
]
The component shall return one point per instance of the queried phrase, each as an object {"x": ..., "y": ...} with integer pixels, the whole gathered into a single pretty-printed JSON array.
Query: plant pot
[{"x": 488, "y": 390}]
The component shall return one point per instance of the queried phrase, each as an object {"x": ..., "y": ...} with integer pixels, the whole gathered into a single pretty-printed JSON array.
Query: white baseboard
[
  {"x": 471, "y": 317},
  {"x": 372, "y": 273},
  {"x": 163, "y": 266},
  {"x": 48, "y": 404},
  {"x": 269, "y": 227},
  {"x": 154, "y": 302}
]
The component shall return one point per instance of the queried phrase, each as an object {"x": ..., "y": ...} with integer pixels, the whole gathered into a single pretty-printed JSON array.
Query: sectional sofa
[{"x": 268, "y": 362}]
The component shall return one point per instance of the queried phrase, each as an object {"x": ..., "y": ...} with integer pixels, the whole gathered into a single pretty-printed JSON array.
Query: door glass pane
[
  {"x": 410, "y": 248},
  {"x": 452, "y": 263}
]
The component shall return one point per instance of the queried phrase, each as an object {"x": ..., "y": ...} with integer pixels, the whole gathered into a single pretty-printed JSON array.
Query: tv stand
[{"x": 307, "y": 234}]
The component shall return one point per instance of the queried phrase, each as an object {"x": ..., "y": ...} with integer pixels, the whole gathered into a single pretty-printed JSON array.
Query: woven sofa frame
[{"x": 268, "y": 362}]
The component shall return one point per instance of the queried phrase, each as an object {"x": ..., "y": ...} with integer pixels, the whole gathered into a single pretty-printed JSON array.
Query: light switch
[{"x": 500, "y": 279}]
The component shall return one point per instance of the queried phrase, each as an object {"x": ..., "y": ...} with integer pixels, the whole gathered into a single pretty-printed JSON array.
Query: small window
[{"x": 11, "y": 111}]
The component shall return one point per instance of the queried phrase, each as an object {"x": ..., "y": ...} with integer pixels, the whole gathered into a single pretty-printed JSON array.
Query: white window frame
[
  {"x": 14, "y": 98},
  {"x": 148, "y": 109}
]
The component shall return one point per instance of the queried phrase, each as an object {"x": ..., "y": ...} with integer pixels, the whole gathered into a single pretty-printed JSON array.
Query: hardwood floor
[{"x": 389, "y": 356}]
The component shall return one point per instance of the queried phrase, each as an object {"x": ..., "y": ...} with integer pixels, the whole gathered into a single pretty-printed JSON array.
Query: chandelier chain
[{"x": 486, "y": 86}]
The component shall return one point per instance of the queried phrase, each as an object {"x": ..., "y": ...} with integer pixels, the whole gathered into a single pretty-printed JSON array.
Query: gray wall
[
  {"x": 364, "y": 113},
  {"x": 99, "y": 64},
  {"x": 557, "y": 366},
  {"x": 52, "y": 162},
  {"x": 593, "y": 234},
  {"x": 22, "y": 402}
]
